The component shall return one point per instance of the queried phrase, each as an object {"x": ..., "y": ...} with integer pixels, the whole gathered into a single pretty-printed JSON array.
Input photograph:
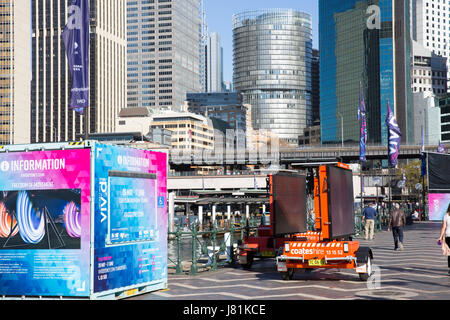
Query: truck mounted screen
[
  {"x": 289, "y": 196},
  {"x": 341, "y": 214}
]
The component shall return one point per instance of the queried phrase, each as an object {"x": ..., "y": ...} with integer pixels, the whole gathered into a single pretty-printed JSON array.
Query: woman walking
[{"x": 445, "y": 236}]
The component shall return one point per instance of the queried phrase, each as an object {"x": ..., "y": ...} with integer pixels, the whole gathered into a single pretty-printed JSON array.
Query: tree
[{"x": 412, "y": 171}]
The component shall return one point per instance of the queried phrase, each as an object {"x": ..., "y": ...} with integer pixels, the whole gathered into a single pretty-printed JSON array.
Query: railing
[{"x": 210, "y": 244}]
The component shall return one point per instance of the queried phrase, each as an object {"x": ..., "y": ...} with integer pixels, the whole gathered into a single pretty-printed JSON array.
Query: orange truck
[{"x": 334, "y": 221}]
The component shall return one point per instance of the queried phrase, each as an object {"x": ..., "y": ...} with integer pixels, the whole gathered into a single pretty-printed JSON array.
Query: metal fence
[{"x": 216, "y": 245}]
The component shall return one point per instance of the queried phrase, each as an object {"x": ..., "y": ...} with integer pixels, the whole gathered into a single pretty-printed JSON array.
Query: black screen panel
[
  {"x": 341, "y": 202},
  {"x": 289, "y": 204},
  {"x": 439, "y": 172}
]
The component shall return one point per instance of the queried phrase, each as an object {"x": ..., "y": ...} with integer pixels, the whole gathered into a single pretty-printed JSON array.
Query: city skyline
[{"x": 220, "y": 20}]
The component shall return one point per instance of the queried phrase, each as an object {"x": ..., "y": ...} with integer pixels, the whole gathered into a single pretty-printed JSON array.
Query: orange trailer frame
[{"x": 323, "y": 252}]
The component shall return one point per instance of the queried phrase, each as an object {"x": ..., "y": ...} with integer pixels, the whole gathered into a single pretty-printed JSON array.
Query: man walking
[
  {"x": 369, "y": 215},
  {"x": 397, "y": 221}
]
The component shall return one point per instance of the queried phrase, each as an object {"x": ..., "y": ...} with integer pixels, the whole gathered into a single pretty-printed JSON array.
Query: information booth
[{"x": 82, "y": 220}]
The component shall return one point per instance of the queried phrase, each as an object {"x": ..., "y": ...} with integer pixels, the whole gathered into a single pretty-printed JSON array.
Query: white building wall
[
  {"x": 431, "y": 27},
  {"x": 214, "y": 65}
]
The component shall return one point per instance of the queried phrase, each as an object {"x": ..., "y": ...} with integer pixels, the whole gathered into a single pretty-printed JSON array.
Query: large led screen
[
  {"x": 340, "y": 202},
  {"x": 132, "y": 212},
  {"x": 289, "y": 195}
]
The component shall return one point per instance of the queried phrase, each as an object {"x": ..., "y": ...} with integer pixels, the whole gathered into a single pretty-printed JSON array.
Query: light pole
[{"x": 342, "y": 127}]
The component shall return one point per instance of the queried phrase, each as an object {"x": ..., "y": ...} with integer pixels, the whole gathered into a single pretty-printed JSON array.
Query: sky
[{"x": 219, "y": 15}]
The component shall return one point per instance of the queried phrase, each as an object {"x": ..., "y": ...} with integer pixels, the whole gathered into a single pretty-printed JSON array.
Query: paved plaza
[{"x": 418, "y": 272}]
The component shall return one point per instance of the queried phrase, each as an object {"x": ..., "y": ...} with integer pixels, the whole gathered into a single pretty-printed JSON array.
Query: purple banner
[
  {"x": 76, "y": 41},
  {"x": 394, "y": 137},
  {"x": 363, "y": 128},
  {"x": 441, "y": 148}
]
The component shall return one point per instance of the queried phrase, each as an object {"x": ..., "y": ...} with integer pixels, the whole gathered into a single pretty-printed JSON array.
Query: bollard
[
  {"x": 194, "y": 268},
  {"x": 231, "y": 256},
  {"x": 242, "y": 228},
  {"x": 214, "y": 261},
  {"x": 179, "y": 269}
]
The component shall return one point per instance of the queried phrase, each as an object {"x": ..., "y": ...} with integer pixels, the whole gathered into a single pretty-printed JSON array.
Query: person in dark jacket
[{"x": 397, "y": 221}]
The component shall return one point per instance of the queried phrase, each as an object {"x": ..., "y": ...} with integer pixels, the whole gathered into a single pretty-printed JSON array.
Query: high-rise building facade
[
  {"x": 364, "y": 44},
  {"x": 431, "y": 27},
  {"x": 429, "y": 71},
  {"x": 51, "y": 119},
  {"x": 15, "y": 72},
  {"x": 214, "y": 64},
  {"x": 163, "y": 50},
  {"x": 315, "y": 86},
  {"x": 272, "y": 69}
]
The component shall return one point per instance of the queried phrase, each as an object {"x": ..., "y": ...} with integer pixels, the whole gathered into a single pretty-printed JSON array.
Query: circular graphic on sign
[
  {"x": 119, "y": 160},
  {"x": 7, "y": 223},
  {"x": 31, "y": 223},
  {"x": 72, "y": 219}
]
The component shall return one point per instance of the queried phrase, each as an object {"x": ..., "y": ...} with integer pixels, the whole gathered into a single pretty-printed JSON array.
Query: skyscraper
[
  {"x": 431, "y": 27},
  {"x": 272, "y": 69},
  {"x": 163, "y": 51},
  {"x": 315, "y": 86},
  {"x": 51, "y": 120},
  {"x": 364, "y": 44},
  {"x": 214, "y": 65},
  {"x": 15, "y": 72}
]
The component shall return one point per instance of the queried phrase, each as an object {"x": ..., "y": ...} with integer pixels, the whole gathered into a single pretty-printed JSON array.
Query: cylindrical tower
[{"x": 272, "y": 69}]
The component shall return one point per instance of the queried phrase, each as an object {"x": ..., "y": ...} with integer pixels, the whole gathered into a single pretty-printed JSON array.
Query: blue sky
[{"x": 219, "y": 17}]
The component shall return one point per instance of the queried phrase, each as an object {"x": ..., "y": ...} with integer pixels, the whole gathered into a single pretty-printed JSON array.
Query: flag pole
[
  {"x": 389, "y": 173},
  {"x": 86, "y": 123},
  {"x": 361, "y": 115}
]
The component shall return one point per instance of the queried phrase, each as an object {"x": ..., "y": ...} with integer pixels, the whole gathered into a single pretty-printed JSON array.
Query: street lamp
[{"x": 342, "y": 127}]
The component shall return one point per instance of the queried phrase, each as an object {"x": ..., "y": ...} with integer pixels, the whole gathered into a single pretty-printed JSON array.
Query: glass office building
[
  {"x": 272, "y": 69},
  {"x": 355, "y": 54},
  {"x": 163, "y": 52}
]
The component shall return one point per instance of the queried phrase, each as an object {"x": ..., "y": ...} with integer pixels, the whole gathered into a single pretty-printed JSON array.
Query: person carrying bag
[{"x": 444, "y": 238}]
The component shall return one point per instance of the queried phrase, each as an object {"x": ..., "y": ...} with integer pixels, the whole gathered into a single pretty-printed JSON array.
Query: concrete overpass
[{"x": 287, "y": 156}]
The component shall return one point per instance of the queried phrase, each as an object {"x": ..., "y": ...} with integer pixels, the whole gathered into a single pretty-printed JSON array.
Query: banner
[
  {"x": 441, "y": 148},
  {"x": 423, "y": 167},
  {"x": 44, "y": 223},
  {"x": 130, "y": 218},
  {"x": 76, "y": 41},
  {"x": 438, "y": 204},
  {"x": 394, "y": 137},
  {"x": 363, "y": 128}
]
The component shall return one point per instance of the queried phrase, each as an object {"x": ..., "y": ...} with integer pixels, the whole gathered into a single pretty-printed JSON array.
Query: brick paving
[{"x": 419, "y": 272}]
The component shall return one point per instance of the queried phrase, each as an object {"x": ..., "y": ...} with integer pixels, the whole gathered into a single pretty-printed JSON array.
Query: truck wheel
[
  {"x": 366, "y": 276},
  {"x": 288, "y": 275}
]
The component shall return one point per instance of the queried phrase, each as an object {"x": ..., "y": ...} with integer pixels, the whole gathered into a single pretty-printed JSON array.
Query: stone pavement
[{"x": 419, "y": 272}]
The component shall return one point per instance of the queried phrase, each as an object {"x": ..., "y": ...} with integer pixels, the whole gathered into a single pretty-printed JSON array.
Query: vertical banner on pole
[
  {"x": 362, "y": 140},
  {"x": 363, "y": 128},
  {"x": 76, "y": 41},
  {"x": 394, "y": 137}
]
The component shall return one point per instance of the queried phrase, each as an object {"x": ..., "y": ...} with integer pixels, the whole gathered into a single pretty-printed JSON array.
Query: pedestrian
[
  {"x": 368, "y": 218},
  {"x": 397, "y": 221},
  {"x": 445, "y": 236}
]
